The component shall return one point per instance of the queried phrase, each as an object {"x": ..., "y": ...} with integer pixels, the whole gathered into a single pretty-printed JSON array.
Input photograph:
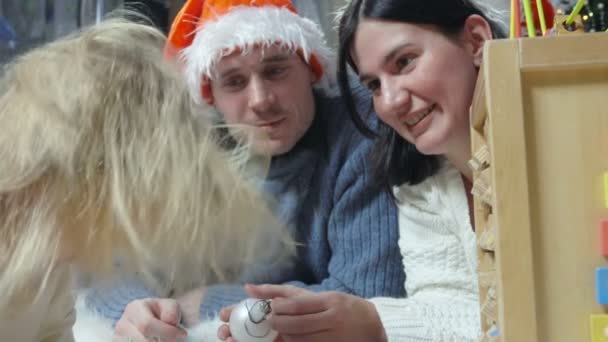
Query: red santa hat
[{"x": 204, "y": 31}]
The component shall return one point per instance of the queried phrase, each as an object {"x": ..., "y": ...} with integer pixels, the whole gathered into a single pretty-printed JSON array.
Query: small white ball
[{"x": 248, "y": 323}]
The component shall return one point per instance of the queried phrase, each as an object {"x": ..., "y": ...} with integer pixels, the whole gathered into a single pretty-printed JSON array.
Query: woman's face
[{"x": 421, "y": 79}]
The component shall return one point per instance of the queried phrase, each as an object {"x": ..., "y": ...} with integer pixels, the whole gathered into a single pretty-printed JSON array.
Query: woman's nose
[{"x": 394, "y": 98}]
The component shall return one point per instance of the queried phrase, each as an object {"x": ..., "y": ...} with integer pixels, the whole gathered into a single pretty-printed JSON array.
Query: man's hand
[{"x": 151, "y": 319}]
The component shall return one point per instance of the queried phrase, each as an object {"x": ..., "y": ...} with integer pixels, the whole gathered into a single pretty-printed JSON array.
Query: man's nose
[{"x": 261, "y": 96}]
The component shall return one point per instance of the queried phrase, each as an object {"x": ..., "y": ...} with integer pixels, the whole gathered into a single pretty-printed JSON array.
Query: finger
[
  {"x": 225, "y": 313},
  {"x": 223, "y": 332},
  {"x": 308, "y": 303},
  {"x": 150, "y": 326},
  {"x": 167, "y": 310},
  {"x": 303, "y": 324},
  {"x": 273, "y": 291},
  {"x": 163, "y": 331}
]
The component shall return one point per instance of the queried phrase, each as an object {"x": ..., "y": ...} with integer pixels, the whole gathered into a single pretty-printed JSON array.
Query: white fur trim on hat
[{"x": 243, "y": 27}]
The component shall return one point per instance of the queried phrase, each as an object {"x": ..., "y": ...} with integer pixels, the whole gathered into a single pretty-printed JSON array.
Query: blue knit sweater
[{"x": 321, "y": 188}]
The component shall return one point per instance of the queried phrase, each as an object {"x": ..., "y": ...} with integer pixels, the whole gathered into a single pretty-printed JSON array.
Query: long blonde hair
[{"x": 104, "y": 153}]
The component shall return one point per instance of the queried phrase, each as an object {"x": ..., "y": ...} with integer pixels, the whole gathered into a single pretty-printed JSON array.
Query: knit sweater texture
[
  {"x": 437, "y": 243},
  {"x": 322, "y": 190}
]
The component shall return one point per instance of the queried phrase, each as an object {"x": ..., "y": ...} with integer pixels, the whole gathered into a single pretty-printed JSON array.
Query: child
[{"x": 106, "y": 157}]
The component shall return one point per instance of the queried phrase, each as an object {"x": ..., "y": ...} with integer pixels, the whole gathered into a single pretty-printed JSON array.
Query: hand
[
  {"x": 223, "y": 333},
  {"x": 300, "y": 315},
  {"x": 151, "y": 319},
  {"x": 190, "y": 305}
]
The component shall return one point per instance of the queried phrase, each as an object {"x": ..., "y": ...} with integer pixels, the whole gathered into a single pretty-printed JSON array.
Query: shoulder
[
  {"x": 438, "y": 195},
  {"x": 348, "y": 151},
  {"x": 438, "y": 182},
  {"x": 339, "y": 128},
  {"x": 345, "y": 144}
]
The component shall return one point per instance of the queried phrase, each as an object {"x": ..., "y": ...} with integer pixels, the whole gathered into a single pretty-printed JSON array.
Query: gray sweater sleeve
[
  {"x": 362, "y": 235},
  {"x": 110, "y": 302},
  {"x": 358, "y": 231}
]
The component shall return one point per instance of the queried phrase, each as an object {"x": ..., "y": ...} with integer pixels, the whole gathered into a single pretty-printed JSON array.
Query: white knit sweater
[{"x": 437, "y": 243}]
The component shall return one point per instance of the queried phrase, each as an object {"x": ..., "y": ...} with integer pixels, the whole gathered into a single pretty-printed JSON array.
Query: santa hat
[{"x": 204, "y": 31}]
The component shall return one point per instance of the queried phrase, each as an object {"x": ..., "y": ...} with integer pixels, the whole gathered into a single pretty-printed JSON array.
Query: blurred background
[{"x": 27, "y": 23}]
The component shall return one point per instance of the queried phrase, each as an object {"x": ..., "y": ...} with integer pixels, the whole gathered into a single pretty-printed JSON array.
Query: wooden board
[{"x": 544, "y": 105}]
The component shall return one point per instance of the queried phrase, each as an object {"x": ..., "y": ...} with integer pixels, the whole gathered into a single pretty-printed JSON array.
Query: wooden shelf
[{"x": 541, "y": 110}]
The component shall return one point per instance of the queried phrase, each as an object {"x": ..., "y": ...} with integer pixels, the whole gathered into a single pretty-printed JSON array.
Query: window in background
[{"x": 27, "y": 23}]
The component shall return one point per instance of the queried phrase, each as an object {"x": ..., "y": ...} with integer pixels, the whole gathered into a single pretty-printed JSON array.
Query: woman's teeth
[{"x": 411, "y": 121}]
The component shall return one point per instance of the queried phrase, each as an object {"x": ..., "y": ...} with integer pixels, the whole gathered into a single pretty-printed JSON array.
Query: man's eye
[
  {"x": 276, "y": 71},
  {"x": 234, "y": 83}
]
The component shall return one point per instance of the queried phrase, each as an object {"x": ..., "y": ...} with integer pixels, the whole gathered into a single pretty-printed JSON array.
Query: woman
[{"x": 419, "y": 59}]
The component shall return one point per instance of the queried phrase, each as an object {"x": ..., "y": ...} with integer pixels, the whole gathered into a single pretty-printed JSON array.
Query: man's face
[{"x": 269, "y": 89}]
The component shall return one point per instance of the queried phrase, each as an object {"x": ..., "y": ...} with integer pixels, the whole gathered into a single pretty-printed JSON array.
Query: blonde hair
[{"x": 104, "y": 153}]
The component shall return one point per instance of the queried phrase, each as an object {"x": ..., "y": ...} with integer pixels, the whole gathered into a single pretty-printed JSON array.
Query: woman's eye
[
  {"x": 404, "y": 62},
  {"x": 373, "y": 85}
]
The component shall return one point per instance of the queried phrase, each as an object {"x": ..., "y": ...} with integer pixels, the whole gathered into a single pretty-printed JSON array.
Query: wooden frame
[{"x": 541, "y": 110}]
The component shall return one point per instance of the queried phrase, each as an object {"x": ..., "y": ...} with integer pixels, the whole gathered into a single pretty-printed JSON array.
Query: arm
[
  {"x": 360, "y": 228},
  {"x": 110, "y": 302},
  {"x": 442, "y": 318},
  {"x": 438, "y": 249},
  {"x": 362, "y": 233},
  {"x": 304, "y": 316}
]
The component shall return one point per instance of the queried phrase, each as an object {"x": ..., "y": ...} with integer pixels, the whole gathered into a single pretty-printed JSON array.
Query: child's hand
[
  {"x": 223, "y": 333},
  {"x": 149, "y": 319}
]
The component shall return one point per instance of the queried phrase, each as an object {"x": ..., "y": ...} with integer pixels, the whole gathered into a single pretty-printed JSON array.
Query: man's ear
[{"x": 476, "y": 32}]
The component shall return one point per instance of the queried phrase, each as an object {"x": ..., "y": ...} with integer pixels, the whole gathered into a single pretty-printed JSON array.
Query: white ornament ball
[{"x": 248, "y": 322}]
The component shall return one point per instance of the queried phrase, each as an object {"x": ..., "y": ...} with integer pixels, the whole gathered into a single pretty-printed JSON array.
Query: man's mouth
[{"x": 270, "y": 124}]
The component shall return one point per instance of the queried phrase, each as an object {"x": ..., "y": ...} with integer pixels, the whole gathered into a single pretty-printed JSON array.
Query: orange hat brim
[{"x": 184, "y": 27}]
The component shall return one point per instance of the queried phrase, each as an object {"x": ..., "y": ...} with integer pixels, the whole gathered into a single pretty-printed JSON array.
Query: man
[{"x": 257, "y": 62}]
